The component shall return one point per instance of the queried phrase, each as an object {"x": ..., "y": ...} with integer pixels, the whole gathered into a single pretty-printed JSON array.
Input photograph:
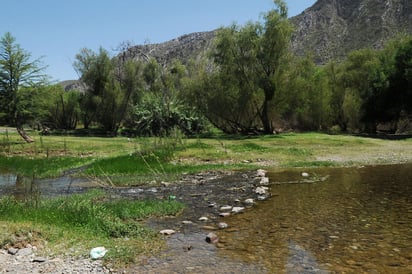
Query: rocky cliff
[{"x": 331, "y": 28}]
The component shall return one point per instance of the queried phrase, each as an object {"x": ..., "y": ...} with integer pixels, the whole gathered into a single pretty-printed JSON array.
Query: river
[{"x": 358, "y": 220}]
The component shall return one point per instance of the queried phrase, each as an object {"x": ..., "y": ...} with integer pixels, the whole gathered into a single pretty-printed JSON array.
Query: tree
[
  {"x": 363, "y": 80},
  {"x": 401, "y": 78},
  {"x": 111, "y": 84},
  {"x": 250, "y": 61},
  {"x": 17, "y": 71}
]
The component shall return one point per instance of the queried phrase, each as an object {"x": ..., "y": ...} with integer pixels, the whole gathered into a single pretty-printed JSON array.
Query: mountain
[
  {"x": 183, "y": 48},
  {"x": 332, "y": 28}
]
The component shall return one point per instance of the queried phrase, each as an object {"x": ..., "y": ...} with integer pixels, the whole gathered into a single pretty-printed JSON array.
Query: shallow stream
[{"x": 358, "y": 220}]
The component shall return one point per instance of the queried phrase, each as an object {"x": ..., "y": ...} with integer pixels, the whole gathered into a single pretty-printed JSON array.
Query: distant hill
[{"x": 329, "y": 29}]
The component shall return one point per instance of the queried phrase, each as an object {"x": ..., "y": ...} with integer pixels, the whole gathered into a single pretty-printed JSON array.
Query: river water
[{"x": 356, "y": 220}]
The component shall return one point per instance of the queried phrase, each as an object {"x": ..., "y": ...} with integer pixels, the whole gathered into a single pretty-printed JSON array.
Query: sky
[{"x": 56, "y": 30}]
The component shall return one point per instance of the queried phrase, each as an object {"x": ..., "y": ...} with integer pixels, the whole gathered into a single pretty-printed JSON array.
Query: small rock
[
  {"x": 249, "y": 201},
  {"x": 153, "y": 190},
  {"x": 12, "y": 251},
  {"x": 264, "y": 181},
  {"x": 203, "y": 219},
  {"x": 165, "y": 184},
  {"x": 305, "y": 174},
  {"x": 237, "y": 209},
  {"x": 211, "y": 205},
  {"x": 187, "y": 222},
  {"x": 225, "y": 208},
  {"x": 224, "y": 214},
  {"x": 39, "y": 260},
  {"x": 222, "y": 225},
  {"x": 25, "y": 251},
  {"x": 260, "y": 173},
  {"x": 212, "y": 238},
  {"x": 261, "y": 190},
  {"x": 167, "y": 232},
  {"x": 262, "y": 198},
  {"x": 207, "y": 227}
]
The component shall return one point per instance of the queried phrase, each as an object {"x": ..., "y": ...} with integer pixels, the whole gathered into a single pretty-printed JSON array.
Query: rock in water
[
  {"x": 167, "y": 232},
  {"x": 260, "y": 173},
  {"x": 212, "y": 238},
  {"x": 222, "y": 225},
  {"x": 237, "y": 209}
]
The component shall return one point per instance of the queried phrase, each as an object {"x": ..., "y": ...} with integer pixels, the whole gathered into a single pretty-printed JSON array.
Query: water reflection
[
  {"x": 358, "y": 220},
  {"x": 23, "y": 188}
]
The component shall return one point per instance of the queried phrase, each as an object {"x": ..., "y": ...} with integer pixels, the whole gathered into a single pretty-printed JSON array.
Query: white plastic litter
[{"x": 98, "y": 252}]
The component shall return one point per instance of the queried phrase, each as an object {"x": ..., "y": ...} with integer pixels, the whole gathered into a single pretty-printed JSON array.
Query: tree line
[{"x": 250, "y": 82}]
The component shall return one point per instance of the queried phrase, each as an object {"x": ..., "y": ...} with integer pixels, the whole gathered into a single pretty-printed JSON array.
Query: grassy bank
[{"x": 81, "y": 222}]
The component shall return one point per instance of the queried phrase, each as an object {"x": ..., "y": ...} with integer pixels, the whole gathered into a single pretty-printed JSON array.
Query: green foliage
[
  {"x": 249, "y": 62},
  {"x": 18, "y": 76}
]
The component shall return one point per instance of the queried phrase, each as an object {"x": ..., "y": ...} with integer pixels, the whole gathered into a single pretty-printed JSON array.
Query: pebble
[
  {"x": 224, "y": 214},
  {"x": 261, "y": 190},
  {"x": 264, "y": 181},
  {"x": 167, "y": 232},
  {"x": 212, "y": 238},
  {"x": 203, "y": 219},
  {"x": 225, "y": 208},
  {"x": 222, "y": 225},
  {"x": 237, "y": 209},
  {"x": 305, "y": 174},
  {"x": 260, "y": 173},
  {"x": 249, "y": 201},
  {"x": 187, "y": 222}
]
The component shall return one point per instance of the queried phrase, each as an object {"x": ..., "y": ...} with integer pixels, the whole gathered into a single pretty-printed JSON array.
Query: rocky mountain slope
[
  {"x": 332, "y": 28},
  {"x": 183, "y": 48}
]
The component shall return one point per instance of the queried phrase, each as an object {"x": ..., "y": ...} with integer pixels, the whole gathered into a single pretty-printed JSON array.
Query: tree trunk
[
  {"x": 24, "y": 135},
  {"x": 267, "y": 125}
]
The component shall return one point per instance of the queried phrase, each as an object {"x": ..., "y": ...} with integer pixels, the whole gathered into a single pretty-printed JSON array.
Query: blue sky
[{"x": 58, "y": 29}]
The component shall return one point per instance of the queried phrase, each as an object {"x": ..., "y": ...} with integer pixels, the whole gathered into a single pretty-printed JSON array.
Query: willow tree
[
  {"x": 17, "y": 72},
  {"x": 250, "y": 61}
]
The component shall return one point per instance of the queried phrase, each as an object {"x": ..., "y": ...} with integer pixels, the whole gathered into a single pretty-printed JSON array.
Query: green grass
[
  {"x": 133, "y": 161},
  {"x": 91, "y": 216}
]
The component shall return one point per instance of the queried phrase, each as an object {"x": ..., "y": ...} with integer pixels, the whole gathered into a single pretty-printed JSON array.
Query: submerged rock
[
  {"x": 212, "y": 238},
  {"x": 222, "y": 225}
]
